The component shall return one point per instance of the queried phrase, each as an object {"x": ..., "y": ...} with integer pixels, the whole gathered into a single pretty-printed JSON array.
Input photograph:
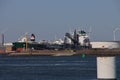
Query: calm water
[{"x": 49, "y": 68}]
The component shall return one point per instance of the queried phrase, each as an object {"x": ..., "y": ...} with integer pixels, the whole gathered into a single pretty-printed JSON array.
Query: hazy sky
[{"x": 47, "y": 18}]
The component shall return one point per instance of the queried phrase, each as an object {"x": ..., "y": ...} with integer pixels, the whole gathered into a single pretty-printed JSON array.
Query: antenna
[
  {"x": 90, "y": 31},
  {"x": 55, "y": 37},
  {"x": 70, "y": 30},
  {"x": 78, "y": 28}
]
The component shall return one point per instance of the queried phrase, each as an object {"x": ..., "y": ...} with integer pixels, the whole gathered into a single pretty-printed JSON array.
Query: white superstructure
[
  {"x": 59, "y": 41},
  {"x": 83, "y": 38},
  {"x": 79, "y": 38}
]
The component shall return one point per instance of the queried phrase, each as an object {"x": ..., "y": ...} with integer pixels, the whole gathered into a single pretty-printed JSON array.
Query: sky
[{"x": 48, "y": 19}]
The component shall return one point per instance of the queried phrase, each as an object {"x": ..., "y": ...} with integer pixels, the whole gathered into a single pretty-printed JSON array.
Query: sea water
[{"x": 50, "y": 68}]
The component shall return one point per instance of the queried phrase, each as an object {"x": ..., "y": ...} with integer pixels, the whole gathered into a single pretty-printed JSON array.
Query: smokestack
[
  {"x": 2, "y": 39},
  {"x": 32, "y": 37}
]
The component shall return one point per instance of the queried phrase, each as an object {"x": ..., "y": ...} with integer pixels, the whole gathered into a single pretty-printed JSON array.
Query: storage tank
[{"x": 105, "y": 44}]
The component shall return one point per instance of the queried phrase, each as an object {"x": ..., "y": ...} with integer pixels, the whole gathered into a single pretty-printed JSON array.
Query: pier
[{"x": 106, "y": 62}]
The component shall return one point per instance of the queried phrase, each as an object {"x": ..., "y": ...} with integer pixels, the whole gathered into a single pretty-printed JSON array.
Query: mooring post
[{"x": 106, "y": 68}]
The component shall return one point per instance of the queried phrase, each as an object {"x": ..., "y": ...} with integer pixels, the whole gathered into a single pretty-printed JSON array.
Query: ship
[{"x": 77, "y": 40}]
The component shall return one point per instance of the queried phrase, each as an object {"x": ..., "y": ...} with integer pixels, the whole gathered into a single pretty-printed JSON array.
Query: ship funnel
[
  {"x": 2, "y": 39},
  {"x": 32, "y": 37}
]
